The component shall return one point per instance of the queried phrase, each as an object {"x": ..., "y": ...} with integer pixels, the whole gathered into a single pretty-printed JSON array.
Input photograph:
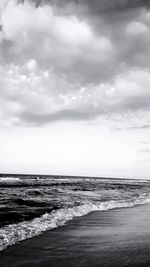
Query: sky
[{"x": 75, "y": 87}]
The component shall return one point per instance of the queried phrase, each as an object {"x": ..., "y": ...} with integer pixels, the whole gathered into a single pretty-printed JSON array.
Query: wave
[
  {"x": 31, "y": 202},
  {"x": 14, "y": 233}
]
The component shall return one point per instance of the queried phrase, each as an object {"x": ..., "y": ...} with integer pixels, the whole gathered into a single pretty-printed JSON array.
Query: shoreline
[{"x": 119, "y": 237}]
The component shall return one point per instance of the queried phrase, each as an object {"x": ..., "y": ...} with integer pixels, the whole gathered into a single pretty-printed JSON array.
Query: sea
[{"x": 31, "y": 205}]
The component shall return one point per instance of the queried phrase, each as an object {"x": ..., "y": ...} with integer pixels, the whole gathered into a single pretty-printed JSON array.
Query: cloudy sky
[{"x": 75, "y": 87}]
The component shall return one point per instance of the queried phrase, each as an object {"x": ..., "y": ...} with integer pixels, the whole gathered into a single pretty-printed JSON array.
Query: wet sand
[{"x": 113, "y": 238}]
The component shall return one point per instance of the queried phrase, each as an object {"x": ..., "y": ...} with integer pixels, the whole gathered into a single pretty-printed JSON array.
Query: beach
[{"x": 119, "y": 237}]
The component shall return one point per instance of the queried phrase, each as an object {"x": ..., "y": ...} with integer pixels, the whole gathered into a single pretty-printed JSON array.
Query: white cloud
[
  {"x": 31, "y": 95},
  {"x": 136, "y": 28},
  {"x": 48, "y": 58},
  {"x": 32, "y": 65},
  {"x": 51, "y": 38}
]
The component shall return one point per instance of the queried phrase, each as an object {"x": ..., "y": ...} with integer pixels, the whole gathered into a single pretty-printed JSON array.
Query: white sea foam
[
  {"x": 9, "y": 179},
  {"x": 15, "y": 233}
]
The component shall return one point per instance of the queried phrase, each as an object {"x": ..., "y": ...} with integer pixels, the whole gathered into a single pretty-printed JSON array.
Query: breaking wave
[{"x": 14, "y": 233}]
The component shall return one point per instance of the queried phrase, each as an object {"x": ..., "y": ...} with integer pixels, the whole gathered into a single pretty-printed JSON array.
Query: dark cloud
[
  {"x": 95, "y": 6},
  {"x": 135, "y": 103},
  {"x": 43, "y": 119},
  {"x": 98, "y": 6}
]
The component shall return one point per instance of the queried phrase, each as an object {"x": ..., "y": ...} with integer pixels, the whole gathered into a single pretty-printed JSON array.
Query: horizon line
[{"x": 71, "y": 176}]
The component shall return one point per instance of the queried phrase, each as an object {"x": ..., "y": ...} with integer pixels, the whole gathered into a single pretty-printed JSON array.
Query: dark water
[{"x": 30, "y": 206}]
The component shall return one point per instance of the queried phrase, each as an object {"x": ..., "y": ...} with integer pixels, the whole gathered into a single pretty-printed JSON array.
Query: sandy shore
[{"x": 110, "y": 238}]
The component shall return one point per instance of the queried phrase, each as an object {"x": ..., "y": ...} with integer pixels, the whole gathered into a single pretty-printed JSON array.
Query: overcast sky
[{"x": 75, "y": 87}]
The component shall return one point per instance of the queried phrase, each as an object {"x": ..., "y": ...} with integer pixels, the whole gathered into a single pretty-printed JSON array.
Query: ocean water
[{"x": 32, "y": 205}]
